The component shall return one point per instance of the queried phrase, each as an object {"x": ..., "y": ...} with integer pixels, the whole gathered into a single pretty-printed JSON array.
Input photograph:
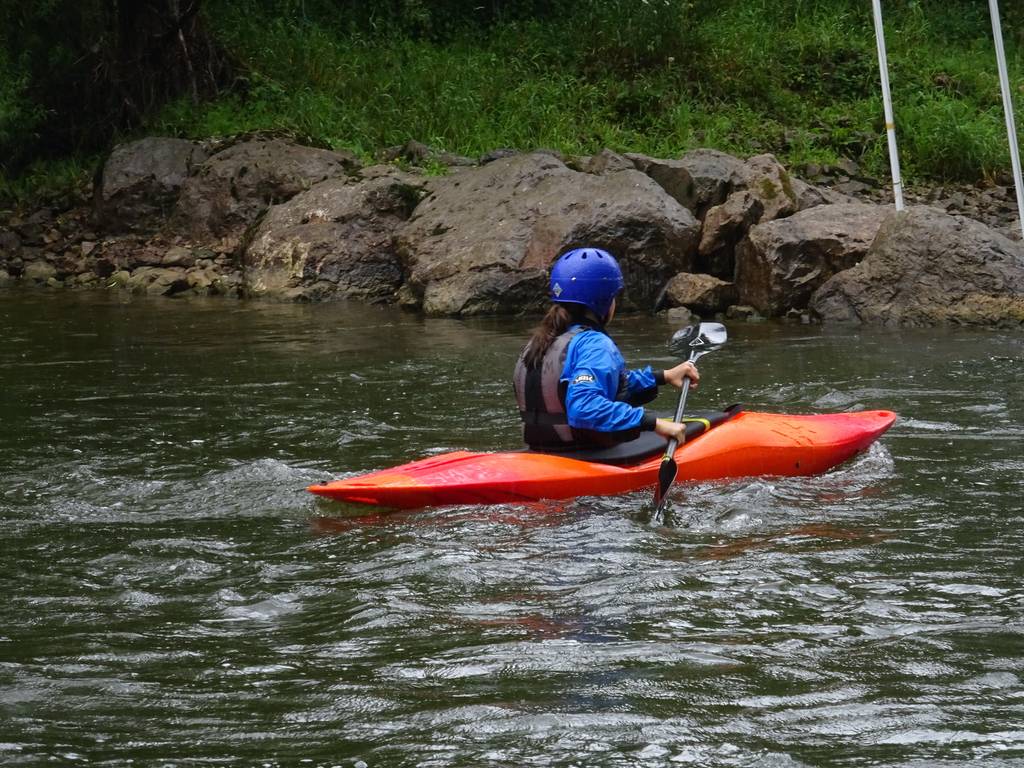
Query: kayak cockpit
[{"x": 648, "y": 444}]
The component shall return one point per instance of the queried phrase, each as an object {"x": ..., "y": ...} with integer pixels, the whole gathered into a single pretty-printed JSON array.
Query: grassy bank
[{"x": 798, "y": 79}]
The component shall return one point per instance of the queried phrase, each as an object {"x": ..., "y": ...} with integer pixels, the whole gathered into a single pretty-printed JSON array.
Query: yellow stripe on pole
[{"x": 698, "y": 420}]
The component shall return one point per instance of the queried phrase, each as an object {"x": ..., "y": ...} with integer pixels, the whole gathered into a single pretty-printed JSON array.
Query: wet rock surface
[
  {"x": 482, "y": 241},
  {"x": 780, "y": 263},
  {"x": 927, "y": 267},
  {"x": 704, "y": 233}
]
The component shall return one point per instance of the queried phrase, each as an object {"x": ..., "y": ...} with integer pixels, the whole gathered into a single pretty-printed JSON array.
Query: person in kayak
[{"x": 571, "y": 382}]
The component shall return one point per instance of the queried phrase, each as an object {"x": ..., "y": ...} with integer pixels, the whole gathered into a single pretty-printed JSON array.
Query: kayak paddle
[{"x": 694, "y": 341}]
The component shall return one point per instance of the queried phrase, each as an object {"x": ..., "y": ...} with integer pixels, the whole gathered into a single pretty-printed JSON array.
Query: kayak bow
[{"x": 747, "y": 444}]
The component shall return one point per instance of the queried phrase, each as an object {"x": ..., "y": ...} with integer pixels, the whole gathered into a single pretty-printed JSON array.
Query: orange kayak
[{"x": 741, "y": 444}]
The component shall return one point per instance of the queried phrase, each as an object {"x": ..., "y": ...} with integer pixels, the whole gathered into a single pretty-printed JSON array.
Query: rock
[
  {"x": 420, "y": 154},
  {"x": 118, "y": 279},
  {"x": 811, "y": 171},
  {"x": 38, "y": 272},
  {"x": 781, "y": 263},
  {"x": 670, "y": 175},
  {"x": 724, "y": 226},
  {"x": 810, "y": 196},
  {"x": 704, "y": 294},
  {"x": 852, "y": 187},
  {"x": 233, "y": 188},
  {"x": 103, "y": 267},
  {"x": 10, "y": 245},
  {"x": 743, "y": 312},
  {"x": 498, "y": 154},
  {"x": 482, "y": 241},
  {"x": 5, "y": 278},
  {"x": 754, "y": 191},
  {"x": 201, "y": 280},
  {"x": 87, "y": 248},
  {"x": 681, "y": 316},
  {"x": 68, "y": 263},
  {"x": 157, "y": 281},
  {"x": 178, "y": 256},
  {"x": 32, "y": 230},
  {"x": 802, "y": 316},
  {"x": 336, "y": 233},
  {"x": 53, "y": 282},
  {"x": 699, "y": 180},
  {"x": 142, "y": 254},
  {"x": 229, "y": 284},
  {"x": 605, "y": 161},
  {"x": 141, "y": 181},
  {"x": 767, "y": 180},
  {"x": 714, "y": 175},
  {"x": 848, "y": 166},
  {"x": 928, "y": 268}
]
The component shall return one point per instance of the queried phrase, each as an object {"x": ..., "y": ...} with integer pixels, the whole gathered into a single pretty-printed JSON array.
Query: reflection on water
[{"x": 174, "y": 597}]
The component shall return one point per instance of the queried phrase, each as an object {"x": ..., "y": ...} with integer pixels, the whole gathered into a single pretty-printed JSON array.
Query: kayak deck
[{"x": 748, "y": 444}]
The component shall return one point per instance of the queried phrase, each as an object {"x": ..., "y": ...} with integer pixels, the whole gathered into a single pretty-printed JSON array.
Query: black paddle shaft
[
  {"x": 700, "y": 340},
  {"x": 667, "y": 472}
]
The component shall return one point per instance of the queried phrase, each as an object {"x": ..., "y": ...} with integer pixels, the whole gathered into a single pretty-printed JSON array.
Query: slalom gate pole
[
  {"x": 1011, "y": 127},
  {"x": 890, "y": 125}
]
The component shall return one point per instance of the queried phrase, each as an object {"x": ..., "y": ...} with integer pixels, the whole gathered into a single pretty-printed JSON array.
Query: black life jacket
[{"x": 540, "y": 394}]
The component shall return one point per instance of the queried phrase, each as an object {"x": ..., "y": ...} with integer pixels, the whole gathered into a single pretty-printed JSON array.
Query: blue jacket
[{"x": 602, "y": 394}]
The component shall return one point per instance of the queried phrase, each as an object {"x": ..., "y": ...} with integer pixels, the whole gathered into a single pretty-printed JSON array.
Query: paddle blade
[{"x": 666, "y": 476}]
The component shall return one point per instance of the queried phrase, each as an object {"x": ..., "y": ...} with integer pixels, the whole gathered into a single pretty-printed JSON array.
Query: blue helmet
[{"x": 587, "y": 276}]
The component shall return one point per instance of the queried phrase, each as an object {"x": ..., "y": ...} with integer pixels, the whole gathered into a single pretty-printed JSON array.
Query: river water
[{"x": 173, "y": 597}]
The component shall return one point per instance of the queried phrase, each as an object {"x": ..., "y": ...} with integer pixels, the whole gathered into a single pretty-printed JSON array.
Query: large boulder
[
  {"x": 725, "y": 225},
  {"x": 700, "y": 179},
  {"x": 483, "y": 240},
  {"x": 335, "y": 238},
  {"x": 704, "y": 294},
  {"x": 762, "y": 191},
  {"x": 232, "y": 189},
  {"x": 714, "y": 176},
  {"x": 770, "y": 182},
  {"x": 141, "y": 181},
  {"x": 928, "y": 268},
  {"x": 781, "y": 263}
]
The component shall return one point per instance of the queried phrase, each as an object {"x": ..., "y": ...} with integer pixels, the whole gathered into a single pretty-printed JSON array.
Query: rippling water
[{"x": 173, "y": 596}]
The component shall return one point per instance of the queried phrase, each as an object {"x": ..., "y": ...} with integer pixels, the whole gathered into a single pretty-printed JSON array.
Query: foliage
[
  {"x": 74, "y": 72},
  {"x": 658, "y": 76}
]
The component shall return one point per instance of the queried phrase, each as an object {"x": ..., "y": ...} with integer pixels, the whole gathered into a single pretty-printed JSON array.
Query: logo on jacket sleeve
[{"x": 584, "y": 378}]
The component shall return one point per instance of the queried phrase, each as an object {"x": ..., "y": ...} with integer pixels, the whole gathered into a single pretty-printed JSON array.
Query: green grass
[
  {"x": 746, "y": 76},
  {"x": 62, "y": 182}
]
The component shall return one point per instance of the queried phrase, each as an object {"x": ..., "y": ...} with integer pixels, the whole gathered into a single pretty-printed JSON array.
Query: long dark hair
[{"x": 555, "y": 323}]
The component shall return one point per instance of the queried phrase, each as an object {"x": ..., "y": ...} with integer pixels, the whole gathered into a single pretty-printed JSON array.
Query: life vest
[{"x": 540, "y": 394}]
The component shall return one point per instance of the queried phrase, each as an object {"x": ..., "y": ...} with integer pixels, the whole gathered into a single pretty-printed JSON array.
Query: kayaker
[{"x": 571, "y": 381}]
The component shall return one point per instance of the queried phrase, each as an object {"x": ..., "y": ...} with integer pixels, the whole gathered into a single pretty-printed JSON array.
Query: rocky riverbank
[{"x": 709, "y": 232}]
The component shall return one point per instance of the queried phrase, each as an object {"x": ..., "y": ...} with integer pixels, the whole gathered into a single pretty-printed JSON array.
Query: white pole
[
  {"x": 1011, "y": 128},
  {"x": 890, "y": 121}
]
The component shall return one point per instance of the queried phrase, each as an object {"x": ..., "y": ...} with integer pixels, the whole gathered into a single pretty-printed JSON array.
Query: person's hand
[
  {"x": 670, "y": 429},
  {"x": 676, "y": 376}
]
